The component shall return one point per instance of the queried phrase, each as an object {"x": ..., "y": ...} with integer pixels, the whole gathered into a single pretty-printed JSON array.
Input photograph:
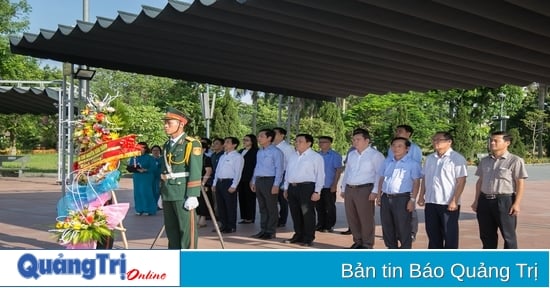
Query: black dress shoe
[
  {"x": 307, "y": 244},
  {"x": 318, "y": 228},
  {"x": 258, "y": 235},
  {"x": 355, "y": 246},
  {"x": 246, "y": 222},
  {"x": 232, "y": 230},
  {"x": 268, "y": 236},
  {"x": 347, "y": 232},
  {"x": 292, "y": 240},
  {"x": 281, "y": 225}
]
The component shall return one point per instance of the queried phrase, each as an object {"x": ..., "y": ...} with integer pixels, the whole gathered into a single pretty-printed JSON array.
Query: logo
[{"x": 101, "y": 267}]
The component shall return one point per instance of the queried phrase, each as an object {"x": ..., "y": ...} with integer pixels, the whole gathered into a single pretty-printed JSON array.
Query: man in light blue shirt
[
  {"x": 267, "y": 176},
  {"x": 326, "y": 206},
  {"x": 397, "y": 189},
  {"x": 415, "y": 153}
]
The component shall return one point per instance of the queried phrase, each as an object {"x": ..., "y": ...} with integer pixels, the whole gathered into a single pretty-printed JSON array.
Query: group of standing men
[
  {"x": 438, "y": 185},
  {"x": 296, "y": 176},
  {"x": 307, "y": 180}
]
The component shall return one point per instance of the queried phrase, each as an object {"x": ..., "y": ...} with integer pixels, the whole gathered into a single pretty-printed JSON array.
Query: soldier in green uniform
[{"x": 181, "y": 175}]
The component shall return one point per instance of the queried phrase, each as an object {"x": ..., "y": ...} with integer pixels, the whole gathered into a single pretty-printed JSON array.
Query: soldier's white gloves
[
  {"x": 191, "y": 203},
  {"x": 159, "y": 203}
]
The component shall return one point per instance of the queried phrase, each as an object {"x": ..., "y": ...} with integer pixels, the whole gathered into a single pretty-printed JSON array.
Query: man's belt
[
  {"x": 176, "y": 175},
  {"x": 301, "y": 183},
  {"x": 360, "y": 185},
  {"x": 397, "y": 195},
  {"x": 495, "y": 196}
]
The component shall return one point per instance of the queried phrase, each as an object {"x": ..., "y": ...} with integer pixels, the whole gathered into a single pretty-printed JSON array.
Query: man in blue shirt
[
  {"x": 397, "y": 190},
  {"x": 326, "y": 206},
  {"x": 267, "y": 176},
  {"x": 415, "y": 153}
]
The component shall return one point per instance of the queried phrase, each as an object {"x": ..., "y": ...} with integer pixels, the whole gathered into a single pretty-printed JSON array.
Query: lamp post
[{"x": 502, "y": 118}]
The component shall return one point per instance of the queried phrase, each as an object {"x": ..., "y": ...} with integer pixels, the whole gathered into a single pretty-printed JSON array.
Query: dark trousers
[
  {"x": 441, "y": 226},
  {"x": 267, "y": 203},
  {"x": 360, "y": 214},
  {"x": 227, "y": 204},
  {"x": 396, "y": 221},
  {"x": 247, "y": 201},
  {"x": 326, "y": 209},
  {"x": 302, "y": 210},
  {"x": 283, "y": 208},
  {"x": 493, "y": 214},
  {"x": 202, "y": 210}
]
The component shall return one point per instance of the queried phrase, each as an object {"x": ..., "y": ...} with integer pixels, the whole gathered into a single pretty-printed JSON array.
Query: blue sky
[{"x": 48, "y": 14}]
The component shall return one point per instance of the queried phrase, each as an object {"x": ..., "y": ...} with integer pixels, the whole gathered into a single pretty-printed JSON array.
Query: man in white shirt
[
  {"x": 304, "y": 179},
  {"x": 444, "y": 177},
  {"x": 228, "y": 175},
  {"x": 359, "y": 189},
  {"x": 288, "y": 150}
]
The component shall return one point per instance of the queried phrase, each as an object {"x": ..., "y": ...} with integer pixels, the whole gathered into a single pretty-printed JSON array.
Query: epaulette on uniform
[{"x": 190, "y": 139}]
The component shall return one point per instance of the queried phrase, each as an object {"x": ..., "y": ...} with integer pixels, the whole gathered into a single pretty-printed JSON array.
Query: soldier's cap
[{"x": 175, "y": 114}]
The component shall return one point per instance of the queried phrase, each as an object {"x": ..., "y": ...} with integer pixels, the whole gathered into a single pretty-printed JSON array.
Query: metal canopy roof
[
  {"x": 318, "y": 49},
  {"x": 37, "y": 101}
]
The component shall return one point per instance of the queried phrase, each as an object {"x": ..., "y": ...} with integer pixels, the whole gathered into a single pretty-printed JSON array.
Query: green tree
[
  {"x": 331, "y": 114},
  {"x": 226, "y": 120},
  {"x": 516, "y": 146},
  {"x": 136, "y": 88},
  {"x": 145, "y": 121},
  {"x": 463, "y": 140},
  {"x": 535, "y": 122}
]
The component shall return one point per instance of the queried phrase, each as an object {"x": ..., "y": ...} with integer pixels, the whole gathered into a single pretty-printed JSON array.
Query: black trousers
[
  {"x": 441, "y": 226},
  {"x": 396, "y": 222},
  {"x": 267, "y": 203},
  {"x": 227, "y": 204},
  {"x": 202, "y": 210},
  {"x": 283, "y": 208},
  {"x": 247, "y": 201},
  {"x": 302, "y": 210},
  {"x": 493, "y": 215},
  {"x": 326, "y": 209}
]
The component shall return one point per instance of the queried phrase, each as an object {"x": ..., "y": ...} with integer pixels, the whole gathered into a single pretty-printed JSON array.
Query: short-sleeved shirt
[
  {"x": 363, "y": 168},
  {"x": 333, "y": 161},
  {"x": 415, "y": 153},
  {"x": 399, "y": 175},
  {"x": 499, "y": 175},
  {"x": 440, "y": 174}
]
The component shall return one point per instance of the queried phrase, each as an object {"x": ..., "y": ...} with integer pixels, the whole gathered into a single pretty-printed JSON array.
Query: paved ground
[{"x": 27, "y": 211}]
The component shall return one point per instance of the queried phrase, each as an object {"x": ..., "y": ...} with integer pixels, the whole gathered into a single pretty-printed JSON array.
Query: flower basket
[{"x": 81, "y": 227}]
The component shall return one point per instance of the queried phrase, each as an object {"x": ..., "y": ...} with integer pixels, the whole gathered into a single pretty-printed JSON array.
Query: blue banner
[{"x": 372, "y": 268}]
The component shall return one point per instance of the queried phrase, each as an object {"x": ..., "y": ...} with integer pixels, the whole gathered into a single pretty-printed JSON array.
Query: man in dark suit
[{"x": 181, "y": 174}]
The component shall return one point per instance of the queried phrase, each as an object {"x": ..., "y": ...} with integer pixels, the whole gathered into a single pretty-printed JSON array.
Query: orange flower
[{"x": 100, "y": 117}]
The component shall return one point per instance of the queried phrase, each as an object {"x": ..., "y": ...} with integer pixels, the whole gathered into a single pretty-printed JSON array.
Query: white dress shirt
[
  {"x": 363, "y": 168},
  {"x": 306, "y": 167},
  {"x": 230, "y": 166}
]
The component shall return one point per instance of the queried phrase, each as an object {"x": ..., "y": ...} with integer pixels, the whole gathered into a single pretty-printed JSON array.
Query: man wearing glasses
[{"x": 444, "y": 177}]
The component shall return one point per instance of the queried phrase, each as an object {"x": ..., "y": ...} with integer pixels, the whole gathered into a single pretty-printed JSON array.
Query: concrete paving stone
[{"x": 28, "y": 210}]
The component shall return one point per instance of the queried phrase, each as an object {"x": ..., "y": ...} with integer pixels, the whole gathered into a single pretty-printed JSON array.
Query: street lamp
[{"x": 502, "y": 118}]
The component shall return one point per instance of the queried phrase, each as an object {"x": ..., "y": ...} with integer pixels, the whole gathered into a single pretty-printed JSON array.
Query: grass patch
[{"x": 44, "y": 163}]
